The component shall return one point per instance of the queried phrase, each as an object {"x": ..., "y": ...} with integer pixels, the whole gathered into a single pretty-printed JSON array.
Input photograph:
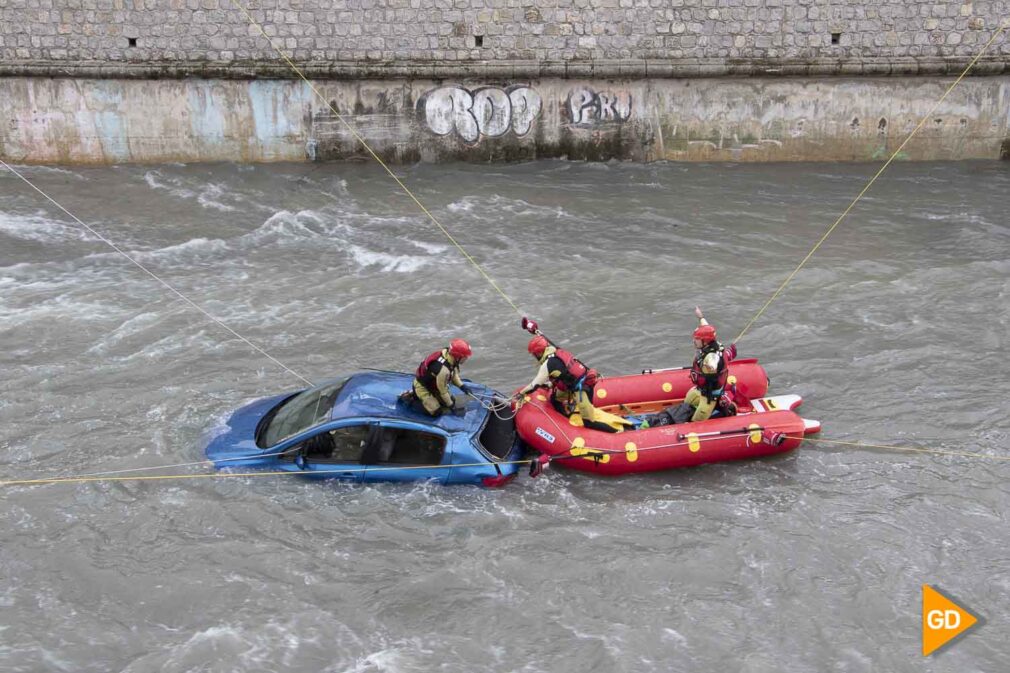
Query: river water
[{"x": 894, "y": 333}]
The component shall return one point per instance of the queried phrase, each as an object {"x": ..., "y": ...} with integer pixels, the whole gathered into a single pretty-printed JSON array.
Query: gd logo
[{"x": 943, "y": 620}]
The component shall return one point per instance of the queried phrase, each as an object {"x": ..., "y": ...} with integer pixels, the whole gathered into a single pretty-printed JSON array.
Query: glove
[
  {"x": 539, "y": 464},
  {"x": 466, "y": 389}
]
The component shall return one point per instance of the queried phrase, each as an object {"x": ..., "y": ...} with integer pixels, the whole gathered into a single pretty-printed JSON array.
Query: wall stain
[{"x": 82, "y": 121}]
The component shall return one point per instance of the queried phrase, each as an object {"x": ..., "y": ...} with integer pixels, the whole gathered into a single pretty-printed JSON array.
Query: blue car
[{"x": 356, "y": 428}]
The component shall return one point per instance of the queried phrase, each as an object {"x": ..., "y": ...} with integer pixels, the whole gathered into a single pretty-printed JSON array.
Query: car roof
[{"x": 376, "y": 393}]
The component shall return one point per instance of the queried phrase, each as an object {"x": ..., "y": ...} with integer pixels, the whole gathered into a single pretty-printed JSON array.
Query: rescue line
[{"x": 752, "y": 427}]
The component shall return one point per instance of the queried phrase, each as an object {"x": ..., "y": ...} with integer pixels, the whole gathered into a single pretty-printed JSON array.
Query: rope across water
[
  {"x": 869, "y": 184},
  {"x": 158, "y": 278},
  {"x": 98, "y": 477},
  {"x": 350, "y": 128}
]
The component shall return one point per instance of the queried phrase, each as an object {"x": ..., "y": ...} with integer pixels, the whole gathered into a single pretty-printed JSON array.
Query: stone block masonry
[{"x": 366, "y": 38}]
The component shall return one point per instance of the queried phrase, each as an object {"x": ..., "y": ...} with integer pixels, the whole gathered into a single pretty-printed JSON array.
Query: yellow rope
[
  {"x": 363, "y": 470},
  {"x": 227, "y": 475},
  {"x": 375, "y": 156},
  {"x": 841, "y": 217},
  {"x": 156, "y": 277},
  {"x": 918, "y": 449}
]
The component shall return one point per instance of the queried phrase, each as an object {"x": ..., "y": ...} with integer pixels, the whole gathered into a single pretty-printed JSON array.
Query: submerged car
[{"x": 357, "y": 428}]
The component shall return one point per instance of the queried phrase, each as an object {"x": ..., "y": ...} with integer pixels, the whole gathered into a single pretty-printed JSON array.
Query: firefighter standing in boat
[
  {"x": 433, "y": 376},
  {"x": 572, "y": 385},
  {"x": 709, "y": 371}
]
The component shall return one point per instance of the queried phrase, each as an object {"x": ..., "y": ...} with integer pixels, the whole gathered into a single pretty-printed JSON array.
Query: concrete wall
[{"x": 73, "y": 120}]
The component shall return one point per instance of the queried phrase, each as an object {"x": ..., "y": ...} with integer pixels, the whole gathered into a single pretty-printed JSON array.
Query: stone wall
[{"x": 169, "y": 34}]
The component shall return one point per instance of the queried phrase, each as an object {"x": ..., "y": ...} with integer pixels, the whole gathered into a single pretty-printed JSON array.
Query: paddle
[
  {"x": 756, "y": 432},
  {"x": 681, "y": 435},
  {"x": 531, "y": 327}
]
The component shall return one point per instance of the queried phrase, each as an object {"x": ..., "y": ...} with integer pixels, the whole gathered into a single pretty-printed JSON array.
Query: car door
[
  {"x": 406, "y": 452},
  {"x": 331, "y": 452}
]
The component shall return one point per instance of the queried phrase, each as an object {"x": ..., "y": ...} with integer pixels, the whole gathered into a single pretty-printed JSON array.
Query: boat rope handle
[
  {"x": 643, "y": 449},
  {"x": 375, "y": 156},
  {"x": 157, "y": 277},
  {"x": 869, "y": 184}
]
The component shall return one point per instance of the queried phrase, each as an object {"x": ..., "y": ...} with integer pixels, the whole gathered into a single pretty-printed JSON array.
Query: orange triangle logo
[{"x": 942, "y": 620}]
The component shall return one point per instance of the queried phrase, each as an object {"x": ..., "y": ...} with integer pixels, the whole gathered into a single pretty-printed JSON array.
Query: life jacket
[
  {"x": 574, "y": 374},
  {"x": 710, "y": 383},
  {"x": 429, "y": 369}
]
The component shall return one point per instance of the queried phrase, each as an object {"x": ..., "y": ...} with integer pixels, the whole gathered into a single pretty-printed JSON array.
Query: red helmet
[
  {"x": 538, "y": 345},
  {"x": 705, "y": 334},
  {"x": 459, "y": 349}
]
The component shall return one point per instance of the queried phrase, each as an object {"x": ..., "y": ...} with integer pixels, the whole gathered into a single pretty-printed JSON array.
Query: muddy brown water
[{"x": 894, "y": 333}]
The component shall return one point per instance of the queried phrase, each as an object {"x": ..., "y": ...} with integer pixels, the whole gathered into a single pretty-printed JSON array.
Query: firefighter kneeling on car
[{"x": 434, "y": 374}]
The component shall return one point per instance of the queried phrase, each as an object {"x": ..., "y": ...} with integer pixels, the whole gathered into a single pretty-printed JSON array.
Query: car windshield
[{"x": 301, "y": 412}]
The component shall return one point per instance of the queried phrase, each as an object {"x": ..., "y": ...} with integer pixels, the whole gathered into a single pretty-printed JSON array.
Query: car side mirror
[{"x": 301, "y": 462}]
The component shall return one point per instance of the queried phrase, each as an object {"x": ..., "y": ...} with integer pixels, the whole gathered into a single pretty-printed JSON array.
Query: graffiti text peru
[{"x": 488, "y": 111}]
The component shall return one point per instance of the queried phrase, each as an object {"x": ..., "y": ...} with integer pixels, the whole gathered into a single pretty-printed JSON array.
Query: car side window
[
  {"x": 349, "y": 443},
  {"x": 400, "y": 446},
  {"x": 341, "y": 445}
]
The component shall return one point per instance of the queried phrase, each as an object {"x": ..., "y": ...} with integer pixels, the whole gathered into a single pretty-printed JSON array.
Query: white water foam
[
  {"x": 63, "y": 307},
  {"x": 152, "y": 180},
  {"x": 432, "y": 248},
  {"x": 386, "y": 262},
  {"x": 194, "y": 247},
  {"x": 41, "y": 229},
  {"x": 503, "y": 204},
  {"x": 286, "y": 225},
  {"x": 294, "y": 644},
  {"x": 208, "y": 196},
  {"x": 131, "y": 327}
]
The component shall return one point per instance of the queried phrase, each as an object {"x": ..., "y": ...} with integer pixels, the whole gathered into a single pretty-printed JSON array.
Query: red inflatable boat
[{"x": 749, "y": 434}]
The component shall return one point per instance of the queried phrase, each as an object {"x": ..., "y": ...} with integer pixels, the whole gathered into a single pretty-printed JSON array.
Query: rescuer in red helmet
[
  {"x": 709, "y": 371},
  {"x": 435, "y": 373},
  {"x": 572, "y": 385}
]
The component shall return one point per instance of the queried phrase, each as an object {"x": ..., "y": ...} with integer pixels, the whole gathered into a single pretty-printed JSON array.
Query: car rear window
[{"x": 498, "y": 436}]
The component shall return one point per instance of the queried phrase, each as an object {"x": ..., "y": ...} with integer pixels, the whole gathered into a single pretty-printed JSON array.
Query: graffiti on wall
[
  {"x": 488, "y": 111},
  {"x": 588, "y": 107}
]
